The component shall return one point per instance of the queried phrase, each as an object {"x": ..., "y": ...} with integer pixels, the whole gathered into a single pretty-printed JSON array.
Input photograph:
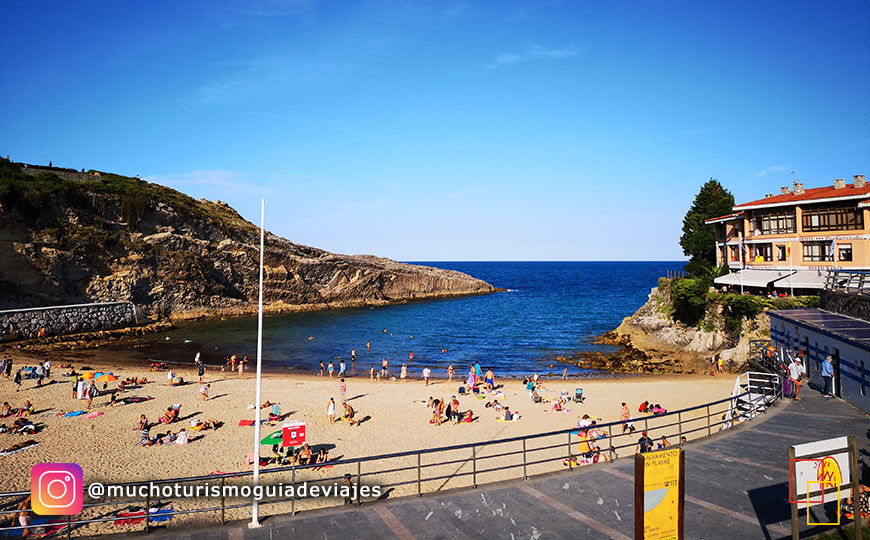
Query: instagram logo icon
[{"x": 56, "y": 489}]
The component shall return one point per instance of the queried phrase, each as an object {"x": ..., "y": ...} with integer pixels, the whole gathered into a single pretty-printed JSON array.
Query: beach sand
[{"x": 394, "y": 419}]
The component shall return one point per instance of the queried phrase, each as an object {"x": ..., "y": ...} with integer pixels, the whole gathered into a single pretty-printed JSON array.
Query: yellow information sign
[{"x": 659, "y": 495}]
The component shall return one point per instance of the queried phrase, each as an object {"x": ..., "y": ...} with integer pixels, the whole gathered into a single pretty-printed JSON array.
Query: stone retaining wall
[
  {"x": 852, "y": 305},
  {"x": 17, "y": 324}
]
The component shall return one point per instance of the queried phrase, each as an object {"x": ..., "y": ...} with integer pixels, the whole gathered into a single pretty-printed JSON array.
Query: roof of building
[
  {"x": 812, "y": 194},
  {"x": 864, "y": 204},
  {"x": 727, "y": 217},
  {"x": 851, "y": 330}
]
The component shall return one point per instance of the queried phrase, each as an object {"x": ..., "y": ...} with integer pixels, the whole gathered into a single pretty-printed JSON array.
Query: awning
[
  {"x": 804, "y": 279},
  {"x": 752, "y": 278}
]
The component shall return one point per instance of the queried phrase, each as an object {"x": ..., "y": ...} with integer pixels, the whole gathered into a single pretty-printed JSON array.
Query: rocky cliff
[
  {"x": 104, "y": 237},
  {"x": 652, "y": 341}
]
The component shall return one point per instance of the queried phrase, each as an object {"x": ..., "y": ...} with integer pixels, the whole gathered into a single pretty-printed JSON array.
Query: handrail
[{"x": 684, "y": 426}]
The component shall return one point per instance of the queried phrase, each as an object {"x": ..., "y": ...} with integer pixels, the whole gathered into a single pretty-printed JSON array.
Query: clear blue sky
[{"x": 446, "y": 131}]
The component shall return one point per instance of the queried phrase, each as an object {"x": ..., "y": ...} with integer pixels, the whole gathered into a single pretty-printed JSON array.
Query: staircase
[{"x": 753, "y": 393}]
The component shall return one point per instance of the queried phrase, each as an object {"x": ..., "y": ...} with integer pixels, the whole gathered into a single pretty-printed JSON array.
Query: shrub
[{"x": 689, "y": 298}]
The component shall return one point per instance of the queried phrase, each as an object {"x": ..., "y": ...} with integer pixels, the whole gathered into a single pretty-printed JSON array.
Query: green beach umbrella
[{"x": 274, "y": 438}]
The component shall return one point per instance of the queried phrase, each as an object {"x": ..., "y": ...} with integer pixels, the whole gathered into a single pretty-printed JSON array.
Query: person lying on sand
[{"x": 23, "y": 425}]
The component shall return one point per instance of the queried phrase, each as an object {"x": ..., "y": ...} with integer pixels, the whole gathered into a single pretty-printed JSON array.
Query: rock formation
[{"x": 104, "y": 237}]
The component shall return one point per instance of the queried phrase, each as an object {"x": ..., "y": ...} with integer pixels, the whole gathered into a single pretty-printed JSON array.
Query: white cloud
[
  {"x": 774, "y": 168},
  {"x": 535, "y": 52}
]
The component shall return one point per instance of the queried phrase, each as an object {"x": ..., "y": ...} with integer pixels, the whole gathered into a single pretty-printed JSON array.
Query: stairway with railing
[{"x": 753, "y": 393}]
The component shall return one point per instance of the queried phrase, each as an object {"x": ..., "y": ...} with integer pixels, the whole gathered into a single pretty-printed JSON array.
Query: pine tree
[{"x": 698, "y": 240}]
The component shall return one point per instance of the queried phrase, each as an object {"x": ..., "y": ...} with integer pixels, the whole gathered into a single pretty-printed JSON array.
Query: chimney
[
  {"x": 784, "y": 191},
  {"x": 839, "y": 183},
  {"x": 860, "y": 183},
  {"x": 798, "y": 188}
]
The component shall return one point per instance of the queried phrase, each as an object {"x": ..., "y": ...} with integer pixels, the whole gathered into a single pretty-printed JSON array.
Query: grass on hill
[{"x": 30, "y": 194}]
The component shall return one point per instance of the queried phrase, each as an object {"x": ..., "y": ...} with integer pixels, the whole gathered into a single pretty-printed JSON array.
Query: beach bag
[
  {"x": 461, "y": 391},
  {"x": 787, "y": 387}
]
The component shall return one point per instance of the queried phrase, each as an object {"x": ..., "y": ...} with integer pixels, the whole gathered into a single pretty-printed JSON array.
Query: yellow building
[{"x": 790, "y": 240}]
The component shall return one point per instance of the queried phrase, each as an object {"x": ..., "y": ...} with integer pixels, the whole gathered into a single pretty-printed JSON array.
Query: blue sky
[{"x": 446, "y": 130}]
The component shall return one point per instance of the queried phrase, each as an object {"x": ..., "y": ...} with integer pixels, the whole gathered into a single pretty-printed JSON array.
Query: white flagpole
[
  {"x": 255, "y": 522},
  {"x": 791, "y": 270}
]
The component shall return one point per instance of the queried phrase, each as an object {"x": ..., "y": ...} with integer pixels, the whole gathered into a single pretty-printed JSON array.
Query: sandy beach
[{"x": 393, "y": 414}]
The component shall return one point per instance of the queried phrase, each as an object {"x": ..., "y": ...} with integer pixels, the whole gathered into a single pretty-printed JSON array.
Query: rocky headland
[
  {"x": 69, "y": 237},
  {"x": 652, "y": 341}
]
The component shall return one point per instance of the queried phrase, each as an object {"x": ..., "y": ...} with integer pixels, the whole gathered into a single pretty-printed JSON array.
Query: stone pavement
[{"x": 736, "y": 487}]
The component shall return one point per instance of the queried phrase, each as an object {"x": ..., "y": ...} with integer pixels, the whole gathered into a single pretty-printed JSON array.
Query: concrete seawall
[{"x": 17, "y": 324}]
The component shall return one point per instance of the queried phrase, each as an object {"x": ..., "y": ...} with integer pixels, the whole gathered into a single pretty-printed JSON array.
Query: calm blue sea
[{"x": 549, "y": 308}]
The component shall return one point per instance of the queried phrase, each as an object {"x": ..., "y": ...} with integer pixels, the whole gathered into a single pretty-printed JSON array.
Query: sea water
[{"x": 548, "y": 309}]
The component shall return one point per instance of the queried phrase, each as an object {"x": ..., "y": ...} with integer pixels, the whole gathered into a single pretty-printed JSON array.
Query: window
[
  {"x": 780, "y": 253},
  {"x": 840, "y": 218},
  {"x": 762, "y": 252},
  {"x": 733, "y": 253},
  {"x": 818, "y": 252},
  {"x": 775, "y": 222},
  {"x": 845, "y": 252}
]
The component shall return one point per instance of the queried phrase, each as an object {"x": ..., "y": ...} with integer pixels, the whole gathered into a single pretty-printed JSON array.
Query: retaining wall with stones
[
  {"x": 853, "y": 305},
  {"x": 17, "y": 324}
]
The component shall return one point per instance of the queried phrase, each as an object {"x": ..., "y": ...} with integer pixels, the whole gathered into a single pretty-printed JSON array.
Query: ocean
[{"x": 548, "y": 309}]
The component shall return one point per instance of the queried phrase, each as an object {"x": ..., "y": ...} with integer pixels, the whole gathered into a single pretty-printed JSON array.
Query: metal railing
[
  {"x": 531, "y": 454},
  {"x": 848, "y": 281}
]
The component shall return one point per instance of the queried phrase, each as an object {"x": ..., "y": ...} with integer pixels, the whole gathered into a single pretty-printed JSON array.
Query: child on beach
[
  {"x": 330, "y": 411},
  {"x": 204, "y": 391},
  {"x": 342, "y": 390}
]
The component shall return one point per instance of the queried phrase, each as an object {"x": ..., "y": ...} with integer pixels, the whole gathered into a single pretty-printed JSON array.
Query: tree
[{"x": 698, "y": 240}]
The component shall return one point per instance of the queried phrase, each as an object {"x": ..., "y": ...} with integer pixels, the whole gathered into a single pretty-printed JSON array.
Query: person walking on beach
[
  {"x": 828, "y": 376},
  {"x": 17, "y": 380},
  {"x": 92, "y": 393},
  {"x": 353, "y": 356},
  {"x": 565, "y": 374},
  {"x": 403, "y": 374},
  {"x": 330, "y": 411},
  {"x": 233, "y": 362},
  {"x": 720, "y": 364},
  {"x": 342, "y": 390},
  {"x": 341, "y": 369},
  {"x": 321, "y": 368},
  {"x": 450, "y": 373},
  {"x": 330, "y": 368},
  {"x": 200, "y": 368},
  {"x": 170, "y": 376},
  {"x": 426, "y": 374},
  {"x": 48, "y": 369},
  {"x": 384, "y": 370}
]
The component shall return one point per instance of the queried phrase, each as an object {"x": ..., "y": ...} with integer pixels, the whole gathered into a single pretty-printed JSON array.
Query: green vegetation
[
  {"x": 694, "y": 303},
  {"x": 30, "y": 194},
  {"x": 698, "y": 240}
]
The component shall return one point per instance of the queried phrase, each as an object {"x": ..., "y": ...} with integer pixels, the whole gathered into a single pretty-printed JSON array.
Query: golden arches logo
[{"x": 828, "y": 473}]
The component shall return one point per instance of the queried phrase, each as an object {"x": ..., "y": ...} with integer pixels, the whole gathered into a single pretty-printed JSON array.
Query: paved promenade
[{"x": 737, "y": 487}]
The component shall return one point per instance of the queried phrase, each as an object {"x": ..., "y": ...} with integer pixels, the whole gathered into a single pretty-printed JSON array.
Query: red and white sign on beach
[{"x": 292, "y": 433}]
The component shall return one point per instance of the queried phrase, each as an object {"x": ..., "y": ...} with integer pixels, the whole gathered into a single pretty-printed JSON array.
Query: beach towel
[
  {"x": 515, "y": 418},
  {"x": 93, "y": 414},
  {"x": 44, "y": 527},
  {"x": 18, "y": 447},
  {"x": 246, "y": 422},
  {"x": 138, "y": 517},
  {"x": 73, "y": 413},
  {"x": 135, "y": 399}
]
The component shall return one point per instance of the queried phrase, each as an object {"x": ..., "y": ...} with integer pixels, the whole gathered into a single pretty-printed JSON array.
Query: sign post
[
  {"x": 821, "y": 472},
  {"x": 659, "y": 494}
]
